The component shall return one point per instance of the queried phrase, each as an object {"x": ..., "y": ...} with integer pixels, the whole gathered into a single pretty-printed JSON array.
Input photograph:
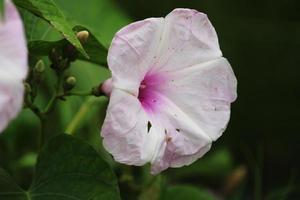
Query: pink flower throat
[{"x": 150, "y": 91}]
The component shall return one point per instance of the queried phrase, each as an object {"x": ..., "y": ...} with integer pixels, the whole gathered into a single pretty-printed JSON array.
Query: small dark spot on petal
[
  {"x": 178, "y": 130},
  {"x": 149, "y": 125},
  {"x": 168, "y": 139},
  {"x": 166, "y": 131}
]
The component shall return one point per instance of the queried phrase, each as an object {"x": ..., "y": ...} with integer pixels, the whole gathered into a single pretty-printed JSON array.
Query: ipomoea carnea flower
[{"x": 171, "y": 91}]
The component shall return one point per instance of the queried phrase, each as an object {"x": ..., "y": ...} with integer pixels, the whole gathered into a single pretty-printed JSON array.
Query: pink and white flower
[
  {"x": 171, "y": 91},
  {"x": 13, "y": 64}
]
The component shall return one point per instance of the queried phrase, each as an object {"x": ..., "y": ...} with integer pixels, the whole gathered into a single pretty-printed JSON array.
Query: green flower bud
[
  {"x": 83, "y": 36},
  {"x": 69, "y": 83},
  {"x": 61, "y": 66},
  {"x": 39, "y": 66},
  {"x": 96, "y": 91},
  {"x": 27, "y": 88},
  {"x": 70, "y": 52},
  {"x": 55, "y": 56}
]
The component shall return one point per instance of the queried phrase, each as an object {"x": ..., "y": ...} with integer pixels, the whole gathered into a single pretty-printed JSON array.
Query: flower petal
[
  {"x": 125, "y": 132},
  {"x": 188, "y": 39},
  {"x": 173, "y": 160},
  {"x": 131, "y": 52},
  {"x": 13, "y": 47},
  {"x": 185, "y": 141},
  {"x": 11, "y": 100},
  {"x": 204, "y": 92},
  {"x": 13, "y": 64}
]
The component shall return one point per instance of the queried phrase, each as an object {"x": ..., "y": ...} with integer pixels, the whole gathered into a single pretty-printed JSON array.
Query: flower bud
[
  {"x": 106, "y": 87},
  {"x": 38, "y": 71},
  {"x": 70, "y": 52},
  {"x": 83, "y": 36},
  {"x": 27, "y": 88},
  {"x": 69, "y": 83},
  {"x": 55, "y": 56},
  {"x": 39, "y": 67},
  {"x": 64, "y": 64},
  {"x": 96, "y": 91}
]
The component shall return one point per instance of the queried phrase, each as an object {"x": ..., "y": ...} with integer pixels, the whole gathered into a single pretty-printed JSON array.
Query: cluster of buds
[{"x": 61, "y": 58}]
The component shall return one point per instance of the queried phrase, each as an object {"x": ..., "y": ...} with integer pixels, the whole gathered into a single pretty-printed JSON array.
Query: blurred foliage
[
  {"x": 186, "y": 193},
  {"x": 256, "y": 157}
]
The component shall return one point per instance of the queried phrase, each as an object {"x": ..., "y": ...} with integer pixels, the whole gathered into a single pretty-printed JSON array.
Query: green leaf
[
  {"x": 186, "y": 193},
  {"x": 67, "y": 168},
  {"x": 100, "y": 16},
  {"x": 9, "y": 190},
  {"x": 96, "y": 51},
  {"x": 47, "y": 10},
  {"x": 1, "y": 9}
]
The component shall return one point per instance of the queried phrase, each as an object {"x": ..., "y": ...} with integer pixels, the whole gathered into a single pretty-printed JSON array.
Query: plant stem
[
  {"x": 40, "y": 115},
  {"x": 55, "y": 95},
  {"x": 80, "y": 116},
  {"x": 76, "y": 93}
]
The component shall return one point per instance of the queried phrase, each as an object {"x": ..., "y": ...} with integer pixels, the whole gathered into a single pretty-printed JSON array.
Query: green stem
[
  {"x": 41, "y": 117},
  {"x": 55, "y": 95},
  {"x": 79, "y": 117},
  {"x": 76, "y": 93}
]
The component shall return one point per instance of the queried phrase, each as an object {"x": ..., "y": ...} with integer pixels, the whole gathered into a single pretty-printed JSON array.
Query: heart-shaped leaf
[
  {"x": 9, "y": 190},
  {"x": 67, "y": 168}
]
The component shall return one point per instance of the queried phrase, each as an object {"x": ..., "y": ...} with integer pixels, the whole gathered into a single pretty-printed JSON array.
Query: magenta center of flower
[{"x": 150, "y": 92}]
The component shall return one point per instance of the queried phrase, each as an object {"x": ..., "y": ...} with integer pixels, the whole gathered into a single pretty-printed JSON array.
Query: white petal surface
[
  {"x": 13, "y": 47},
  {"x": 13, "y": 64},
  {"x": 132, "y": 51},
  {"x": 11, "y": 100},
  {"x": 204, "y": 92},
  {"x": 188, "y": 39},
  {"x": 173, "y": 160},
  {"x": 125, "y": 132},
  {"x": 185, "y": 141}
]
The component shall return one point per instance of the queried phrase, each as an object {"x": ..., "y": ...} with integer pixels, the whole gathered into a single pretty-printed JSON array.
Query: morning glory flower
[
  {"x": 171, "y": 91},
  {"x": 13, "y": 64}
]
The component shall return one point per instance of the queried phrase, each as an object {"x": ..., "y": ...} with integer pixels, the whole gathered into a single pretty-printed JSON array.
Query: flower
[
  {"x": 171, "y": 93},
  {"x": 13, "y": 64}
]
